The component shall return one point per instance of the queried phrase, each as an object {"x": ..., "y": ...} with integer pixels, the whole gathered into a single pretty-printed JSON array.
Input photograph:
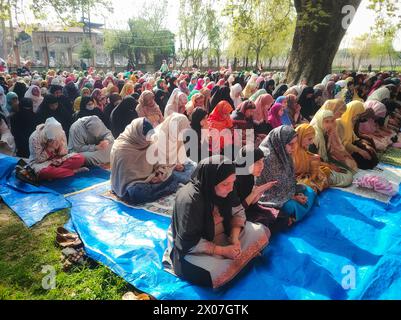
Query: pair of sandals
[
  {"x": 73, "y": 252},
  {"x": 72, "y": 257},
  {"x": 66, "y": 239}
]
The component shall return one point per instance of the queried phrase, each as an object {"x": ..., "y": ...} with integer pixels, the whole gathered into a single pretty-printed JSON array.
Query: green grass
[{"x": 24, "y": 252}]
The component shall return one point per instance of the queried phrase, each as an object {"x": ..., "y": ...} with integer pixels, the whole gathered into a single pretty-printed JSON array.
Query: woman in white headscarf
[
  {"x": 235, "y": 94},
  {"x": 49, "y": 156},
  {"x": 35, "y": 95},
  {"x": 176, "y": 103}
]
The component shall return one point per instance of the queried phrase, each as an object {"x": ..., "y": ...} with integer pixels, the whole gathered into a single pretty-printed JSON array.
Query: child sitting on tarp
[
  {"x": 90, "y": 136},
  {"x": 49, "y": 157}
]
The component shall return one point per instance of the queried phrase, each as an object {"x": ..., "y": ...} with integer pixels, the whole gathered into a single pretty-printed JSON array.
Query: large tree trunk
[{"x": 313, "y": 51}]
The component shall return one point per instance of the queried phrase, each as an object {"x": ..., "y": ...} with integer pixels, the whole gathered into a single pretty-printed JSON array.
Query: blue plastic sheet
[
  {"x": 7, "y": 165},
  {"x": 31, "y": 203},
  {"x": 78, "y": 182},
  {"x": 348, "y": 247}
]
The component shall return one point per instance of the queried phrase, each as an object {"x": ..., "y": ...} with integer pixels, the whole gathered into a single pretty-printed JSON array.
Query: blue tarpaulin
[
  {"x": 347, "y": 248},
  {"x": 79, "y": 182},
  {"x": 33, "y": 203}
]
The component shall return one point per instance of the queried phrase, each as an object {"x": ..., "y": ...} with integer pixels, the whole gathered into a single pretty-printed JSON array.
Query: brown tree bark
[{"x": 313, "y": 51}]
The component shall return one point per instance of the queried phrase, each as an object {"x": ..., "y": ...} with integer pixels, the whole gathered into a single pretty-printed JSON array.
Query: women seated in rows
[
  {"x": 49, "y": 156},
  {"x": 295, "y": 200},
  {"x": 250, "y": 164},
  {"x": 148, "y": 108},
  {"x": 137, "y": 175},
  {"x": 362, "y": 150},
  {"x": 90, "y": 137},
  {"x": 209, "y": 240},
  {"x": 176, "y": 103}
]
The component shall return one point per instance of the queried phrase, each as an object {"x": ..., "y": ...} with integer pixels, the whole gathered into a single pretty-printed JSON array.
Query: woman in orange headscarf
[
  {"x": 309, "y": 169},
  {"x": 220, "y": 127}
]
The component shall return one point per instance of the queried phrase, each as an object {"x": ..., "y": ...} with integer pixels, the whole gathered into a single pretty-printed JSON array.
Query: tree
[
  {"x": 320, "y": 27},
  {"x": 360, "y": 50},
  {"x": 382, "y": 47},
  {"x": 192, "y": 29},
  {"x": 147, "y": 38},
  {"x": 214, "y": 33},
  {"x": 260, "y": 23},
  {"x": 86, "y": 51}
]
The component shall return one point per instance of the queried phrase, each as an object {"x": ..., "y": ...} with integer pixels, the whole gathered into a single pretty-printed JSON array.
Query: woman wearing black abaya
[
  {"x": 50, "y": 107},
  {"x": 269, "y": 86},
  {"x": 209, "y": 240},
  {"x": 222, "y": 93},
  {"x": 123, "y": 115},
  {"x": 23, "y": 123},
  {"x": 279, "y": 91},
  {"x": 88, "y": 108},
  {"x": 20, "y": 89},
  {"x": 114, "y": 100},
  {"x": 308, "y": 104}
]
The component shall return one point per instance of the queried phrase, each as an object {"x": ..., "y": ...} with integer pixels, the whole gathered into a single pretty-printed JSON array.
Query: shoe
[
  {"x": 66, "y": 234},
  {"x": 65, "y": 242}
]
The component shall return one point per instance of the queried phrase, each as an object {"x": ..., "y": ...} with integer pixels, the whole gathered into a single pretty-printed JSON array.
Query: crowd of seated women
[{"x": 246, "y": 153}]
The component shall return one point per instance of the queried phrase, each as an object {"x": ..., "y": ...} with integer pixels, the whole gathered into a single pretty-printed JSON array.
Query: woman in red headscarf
[{"x": 220, "y": 127}]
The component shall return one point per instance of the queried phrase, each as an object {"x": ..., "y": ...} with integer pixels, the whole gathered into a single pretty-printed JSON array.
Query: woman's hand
[
  {"x": 102, "y": 145},
  {"x": 156, "y": 179},
  {"x": 259, "y": 190},
  {"x": 179, "y": 167},
  {"x": 235, "y": 241},
  {"x": 232, "y": 252}
]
